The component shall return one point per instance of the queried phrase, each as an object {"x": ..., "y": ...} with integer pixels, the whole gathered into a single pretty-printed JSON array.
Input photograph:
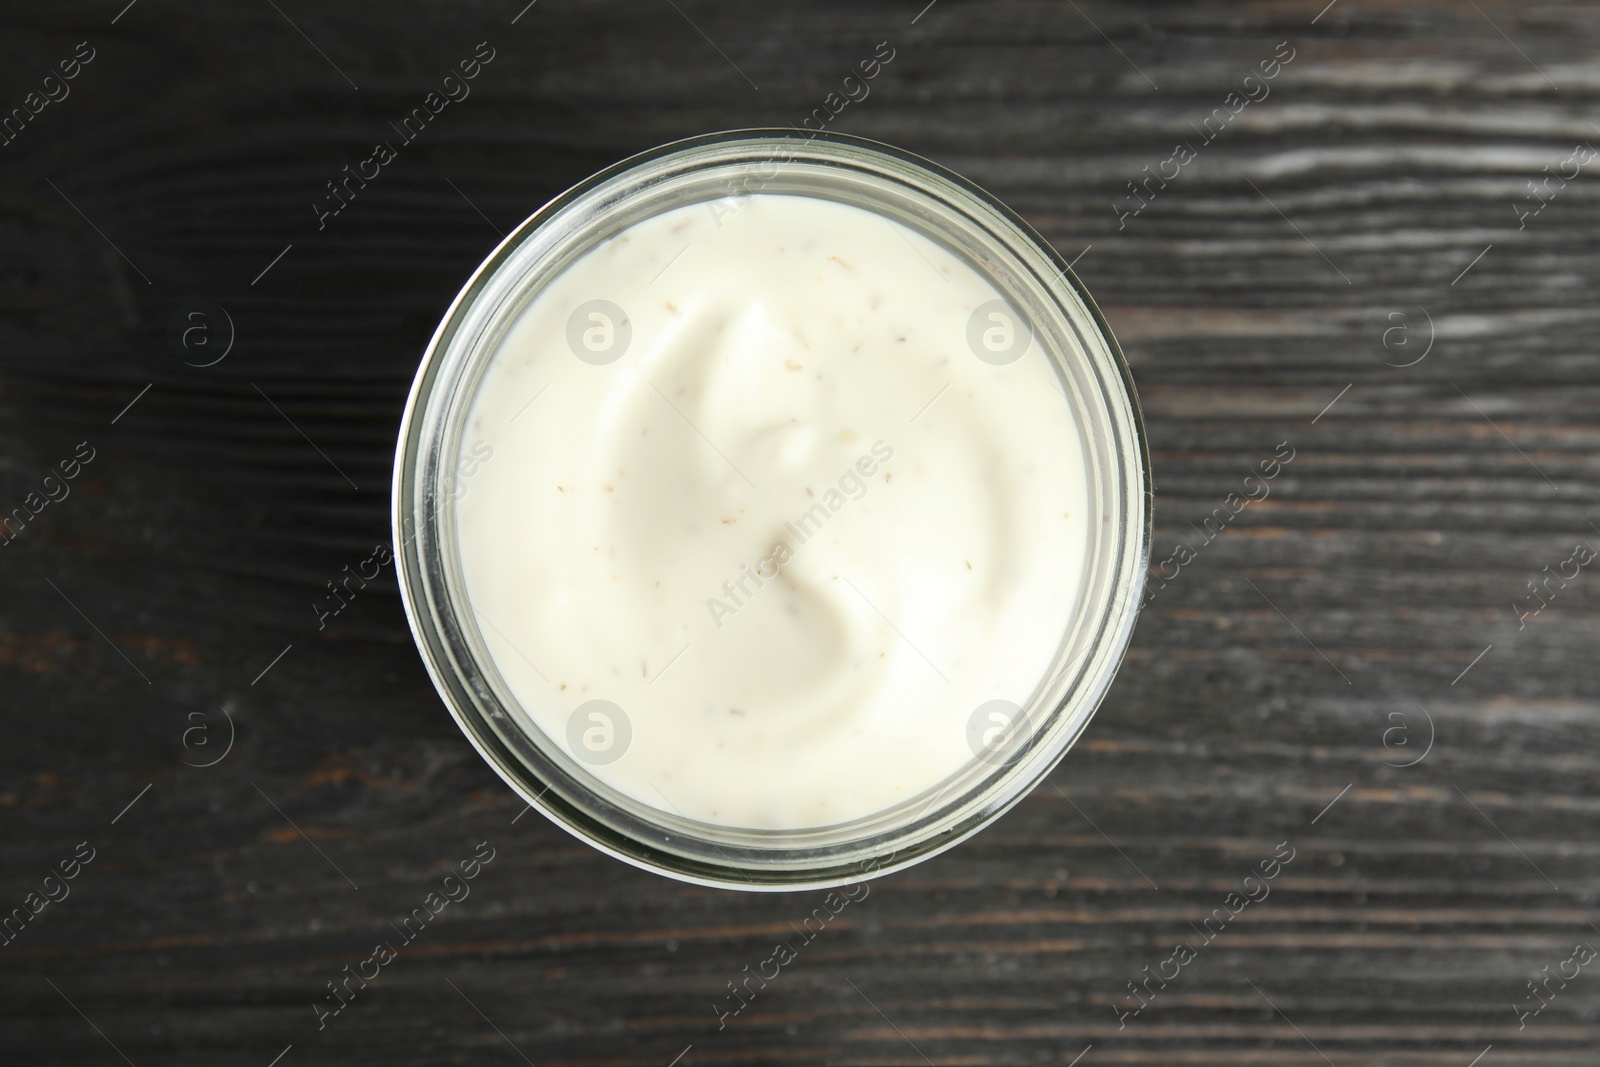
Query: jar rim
[{"x": 429, "y": 578}]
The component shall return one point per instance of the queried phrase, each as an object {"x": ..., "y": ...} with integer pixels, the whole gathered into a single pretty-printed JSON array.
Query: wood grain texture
[{"x": 1250, "y": 293}]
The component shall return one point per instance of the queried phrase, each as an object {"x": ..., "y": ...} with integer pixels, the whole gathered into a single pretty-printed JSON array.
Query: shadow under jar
[{"x": 772, "y": 511}]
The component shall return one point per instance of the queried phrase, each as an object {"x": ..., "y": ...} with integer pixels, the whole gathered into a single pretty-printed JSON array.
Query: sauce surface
[{"x": 748, "y": 525}]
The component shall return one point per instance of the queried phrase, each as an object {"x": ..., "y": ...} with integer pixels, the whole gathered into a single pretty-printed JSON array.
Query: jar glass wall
[{"x": 469, "y": 658}]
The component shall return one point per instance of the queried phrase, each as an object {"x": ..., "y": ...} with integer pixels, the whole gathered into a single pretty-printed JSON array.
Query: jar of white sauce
[{"x": 772, "y": 510}]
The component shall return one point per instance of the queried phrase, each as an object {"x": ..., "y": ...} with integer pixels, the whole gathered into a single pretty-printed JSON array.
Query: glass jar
[{"x": 910, "y": 192}]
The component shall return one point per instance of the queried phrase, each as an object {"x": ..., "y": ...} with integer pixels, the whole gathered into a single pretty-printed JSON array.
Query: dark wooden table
[{"x": 1284, "y": 285}]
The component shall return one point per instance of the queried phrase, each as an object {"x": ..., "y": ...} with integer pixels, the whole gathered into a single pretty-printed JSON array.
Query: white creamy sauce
[{"x": 797, "y": 532}]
